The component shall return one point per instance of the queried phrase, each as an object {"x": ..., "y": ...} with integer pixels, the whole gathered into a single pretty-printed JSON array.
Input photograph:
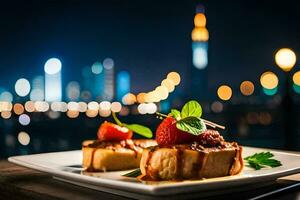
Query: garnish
[
  {"x": 189, "y": 118},
  {"x": 137, "y": 128},
  {"x": 135, "y": 173},
  {"x": 261, "y": 160},
  {"x": 192, "y": 125}
]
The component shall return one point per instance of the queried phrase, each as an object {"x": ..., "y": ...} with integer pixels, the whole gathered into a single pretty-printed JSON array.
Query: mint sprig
[
  {"x": 192, "y": 125},
  {"x": 263, "y": 159},
  {"x": 188, "y": 119},
  {"x": 137, "y": 128},
  {"x": 191, "y": 109}
]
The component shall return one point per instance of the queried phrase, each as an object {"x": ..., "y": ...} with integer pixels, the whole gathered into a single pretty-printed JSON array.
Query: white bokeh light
[
  {"x": 108, "y": 63},
  {"x": 24, "y": 119},
  {"x": 23, "y": 138},
  {"x": 52, "y": 66},
  {"x": 22, "y": 87}
]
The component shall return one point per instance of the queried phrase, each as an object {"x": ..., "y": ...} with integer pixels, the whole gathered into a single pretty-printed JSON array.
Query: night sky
[{"x": 147, "y": 38}]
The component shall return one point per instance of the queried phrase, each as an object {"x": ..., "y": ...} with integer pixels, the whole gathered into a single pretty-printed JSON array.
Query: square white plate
[{"x": 66, "y": 166}]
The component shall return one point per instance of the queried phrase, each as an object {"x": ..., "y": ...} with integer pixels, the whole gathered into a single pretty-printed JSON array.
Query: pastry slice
[
  {"x": 101, "y": 156},
  {"x": 191, "y": 161}
]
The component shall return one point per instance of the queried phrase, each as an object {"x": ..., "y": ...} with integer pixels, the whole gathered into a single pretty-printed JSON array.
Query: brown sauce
[{"x": 91, "y": 166}]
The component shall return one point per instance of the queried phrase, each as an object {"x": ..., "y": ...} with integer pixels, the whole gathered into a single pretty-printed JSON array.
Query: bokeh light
[
  {"x": 52, "y": 66},
  {"x": 200, "y": 57},
  {"x": 129, "y": 99},
  {"x": 18, "y": 109},
  {"x": 270, "y": 92},
  {"x": 72, "y": 113},
  {"x": 5, "y": 114},
  {"x": 296, "y": 88},
  {"x": 162, "y": 92},
  {"x": 285, "y": 58},
  {"x": 73, "y": 90},
  {"x": 82, "y": 106},
  {"x": 116, "y": 107},
  {"x": 247, "y": 88},
  {"x": 22, "y": 87},
  {"x": 24, "y": 119},
  {"x": 269, "y": 80},
  {"x": 141, "y": 97},
  {"x": 6, "y": 96},
  {"x": 97, "y": 68},
  {"x": 91, "y": 113},
  {"x": 200, "y": 34},
  {"x": 169, "y": 84},
  {"x": 175, "y": 77},
  {"x": 104, "y": 113},
  {"x": 217, "y": 107},
  {"x": 296, "y": 78},
  {"x": 29, "y": 106},
  {"x": 108, "y": 63},
  {"x": 93, "y": 105},
  {"x": 151, "y": 108},
  {"x": 73, "y": 106},
  {"x": 5, "y": 106},
  {"x": 41, "y": 106},
  {"x": 200, "y": 20},
  {"x": 142, "y": 108},
  {"x": 224, "y": 92},
  {"x": 105, "y": 105},
  {"x": 23, "y": 138}
]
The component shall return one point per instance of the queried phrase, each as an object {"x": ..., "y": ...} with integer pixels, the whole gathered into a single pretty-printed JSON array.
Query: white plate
[{"x": 66, "y": 166}]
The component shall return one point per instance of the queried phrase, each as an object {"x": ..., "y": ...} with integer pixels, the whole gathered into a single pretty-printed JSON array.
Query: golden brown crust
[{"x": 181, "y": 162}]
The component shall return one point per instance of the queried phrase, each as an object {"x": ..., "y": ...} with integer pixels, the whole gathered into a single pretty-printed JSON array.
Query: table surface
[{"x": 23, "y": 183}]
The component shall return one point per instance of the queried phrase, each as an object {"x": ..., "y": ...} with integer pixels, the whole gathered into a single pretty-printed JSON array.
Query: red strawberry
[
  {"x": 168, "y": 134},
  {"x": 113, "y": 132}
]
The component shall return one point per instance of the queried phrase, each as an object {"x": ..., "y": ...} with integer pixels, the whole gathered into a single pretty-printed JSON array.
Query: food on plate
[
  {"x": 115, "y": 149},
  {"x": 115, "y": 155},
  {"x": 188, "y": 150}
]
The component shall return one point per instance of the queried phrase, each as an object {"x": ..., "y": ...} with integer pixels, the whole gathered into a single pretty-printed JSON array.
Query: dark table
[{"x": 21, "y": 183}]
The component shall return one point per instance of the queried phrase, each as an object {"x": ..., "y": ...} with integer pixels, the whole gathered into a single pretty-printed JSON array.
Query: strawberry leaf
[
  {"x": 140, "y": 129},
  {"x": 192, "y": 125},
  {"x": 137, "y": 128},
  {"x": 191, "y": 109}
]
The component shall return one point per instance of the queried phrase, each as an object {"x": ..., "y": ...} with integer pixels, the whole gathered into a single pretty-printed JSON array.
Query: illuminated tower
[
  {"x": 53, "y": 86},
  {"x": 200, "y": 36}
]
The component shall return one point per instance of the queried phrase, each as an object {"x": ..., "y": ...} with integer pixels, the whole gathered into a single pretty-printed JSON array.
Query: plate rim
[{"x": 149, "y": 189}]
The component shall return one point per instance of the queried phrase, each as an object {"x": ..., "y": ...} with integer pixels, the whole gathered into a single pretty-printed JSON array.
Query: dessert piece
[
  {"x": 191, "y": 161},
  {"x": 115, "y": 155},
  {"x": 114, "y": 149},
  {"x": 188, "y": 150}
]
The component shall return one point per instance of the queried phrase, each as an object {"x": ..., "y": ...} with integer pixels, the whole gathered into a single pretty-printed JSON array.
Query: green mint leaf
[
  {"x": 191, "y": 109},
  {"x": 139, "y": 129},
  {"x": 192, "y": 125},
  {"x": 263, "y": 159},
  {"x": 176, "y": 114},
  {"x": 135, "y": 173}
]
